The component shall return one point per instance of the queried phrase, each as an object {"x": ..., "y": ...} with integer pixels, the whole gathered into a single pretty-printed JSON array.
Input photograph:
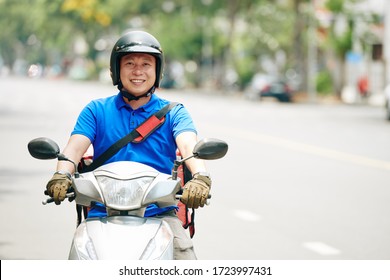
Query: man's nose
[{"x": 137, "y": 69}]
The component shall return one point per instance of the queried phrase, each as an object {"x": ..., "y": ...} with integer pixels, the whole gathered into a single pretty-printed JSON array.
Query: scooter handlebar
[
  {"x": 178, "y": 196},
  {"x": 72, "y": 194},
  {"x": 51, "y": 200}
]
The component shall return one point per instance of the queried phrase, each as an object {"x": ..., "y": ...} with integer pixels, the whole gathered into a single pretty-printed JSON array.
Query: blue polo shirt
[{"x": 104, "y": 121}]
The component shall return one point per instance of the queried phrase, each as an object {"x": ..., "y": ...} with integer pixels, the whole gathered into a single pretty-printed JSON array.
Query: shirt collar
[{"x": 148, "y": 107}]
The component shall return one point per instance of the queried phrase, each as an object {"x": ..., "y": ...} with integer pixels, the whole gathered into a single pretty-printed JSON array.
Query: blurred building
[{"x": 366, "y": 72}]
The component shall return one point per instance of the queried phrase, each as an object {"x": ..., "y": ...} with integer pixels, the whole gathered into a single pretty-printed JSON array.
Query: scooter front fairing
[{"x": 122, "y": 237}]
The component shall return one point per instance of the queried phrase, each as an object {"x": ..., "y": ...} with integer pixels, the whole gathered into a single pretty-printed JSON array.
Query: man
[{"x": 136, "y": 66}]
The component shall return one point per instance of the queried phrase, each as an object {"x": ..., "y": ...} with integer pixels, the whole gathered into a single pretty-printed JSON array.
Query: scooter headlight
[
  {"x": 159, "y": 246},
  {"x": 123, "y": 194}
]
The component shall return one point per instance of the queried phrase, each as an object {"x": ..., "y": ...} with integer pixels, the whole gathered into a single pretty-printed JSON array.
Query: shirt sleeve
[
  {"x": 86, "y": 122},
  {"x": 181, "y": 121}
]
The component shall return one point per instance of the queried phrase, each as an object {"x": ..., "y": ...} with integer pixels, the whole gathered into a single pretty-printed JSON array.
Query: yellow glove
[
  {"x": 58, "y": 186},
  {"x": 196, "y": 191}
]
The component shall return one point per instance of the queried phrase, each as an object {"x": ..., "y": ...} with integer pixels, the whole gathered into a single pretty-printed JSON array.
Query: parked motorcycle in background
[{"x": 125, "y": 188}]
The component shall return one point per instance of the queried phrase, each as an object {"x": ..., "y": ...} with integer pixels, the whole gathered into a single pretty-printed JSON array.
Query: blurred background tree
[{"x": 216, "y": 43}]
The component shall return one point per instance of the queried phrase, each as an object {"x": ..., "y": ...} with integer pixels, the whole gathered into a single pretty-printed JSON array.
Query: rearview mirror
[
  {"x": 43, "y": 148},
  {"x": 210, "y": 148}
]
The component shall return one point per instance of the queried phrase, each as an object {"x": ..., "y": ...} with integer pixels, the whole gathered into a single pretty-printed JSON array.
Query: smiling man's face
[{"x": 138, "y": 72}]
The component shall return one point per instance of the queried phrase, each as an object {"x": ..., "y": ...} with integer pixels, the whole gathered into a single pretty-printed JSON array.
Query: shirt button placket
[{"x": 132, "y": 121}]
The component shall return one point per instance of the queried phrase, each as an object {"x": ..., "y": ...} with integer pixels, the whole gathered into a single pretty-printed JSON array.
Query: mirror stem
[
  {"x": 63, "y": 157},
  {"x": 177, "y": 164}
]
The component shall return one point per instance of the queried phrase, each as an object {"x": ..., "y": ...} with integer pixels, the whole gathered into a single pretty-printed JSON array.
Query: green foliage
[
  {"x": 324, "y": 83},
  {"x": 341, "y": 43},
  {"x": 335, "y": 6},
  {"x": 226, "y": 34}
]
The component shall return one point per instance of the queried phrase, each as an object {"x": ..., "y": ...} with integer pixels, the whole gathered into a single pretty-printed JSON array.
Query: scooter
[{"x": 125, "y": 188}]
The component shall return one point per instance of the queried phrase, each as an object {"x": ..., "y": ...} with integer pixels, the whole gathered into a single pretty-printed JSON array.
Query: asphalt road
[{"x": 300, "y": 181}]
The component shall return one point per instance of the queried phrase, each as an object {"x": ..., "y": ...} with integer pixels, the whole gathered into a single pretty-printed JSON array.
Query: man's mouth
[{"x": 136, "y": 81}]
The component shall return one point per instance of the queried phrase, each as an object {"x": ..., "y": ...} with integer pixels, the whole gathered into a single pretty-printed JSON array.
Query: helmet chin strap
[{"x": 131, "y": 97}]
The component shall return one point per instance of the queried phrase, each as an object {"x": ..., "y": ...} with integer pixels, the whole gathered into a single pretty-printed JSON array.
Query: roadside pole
[
  {"x": 386, "y": 43},
  {"x": 312, "y": 55}
]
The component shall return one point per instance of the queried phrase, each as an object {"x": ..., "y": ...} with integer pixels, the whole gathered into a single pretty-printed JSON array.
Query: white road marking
[
  {"x": 246, "y": 215},
  {"x": 321, "y": 248}
]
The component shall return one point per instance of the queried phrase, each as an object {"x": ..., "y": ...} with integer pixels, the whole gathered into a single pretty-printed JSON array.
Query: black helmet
[{"x": 136, "y": 42}]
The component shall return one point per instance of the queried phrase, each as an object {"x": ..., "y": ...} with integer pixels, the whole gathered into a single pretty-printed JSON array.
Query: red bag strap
[
  {"x": 147, "y": 128},
  {"x": 152, "y": 123}
]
